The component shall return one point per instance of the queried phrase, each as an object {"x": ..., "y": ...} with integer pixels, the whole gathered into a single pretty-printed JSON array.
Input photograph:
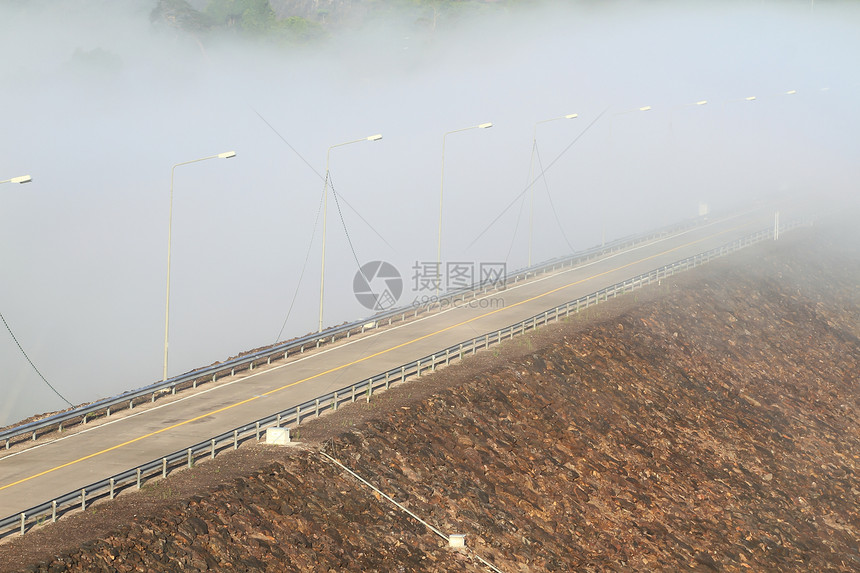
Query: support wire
[{"x": 15, "y": 338}]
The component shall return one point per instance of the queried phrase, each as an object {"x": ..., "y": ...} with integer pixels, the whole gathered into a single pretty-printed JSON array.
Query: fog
[{"x": 99, "y": 103}]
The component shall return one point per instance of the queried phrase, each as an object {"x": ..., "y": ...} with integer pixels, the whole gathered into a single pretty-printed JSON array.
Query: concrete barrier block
[{"x": 278, "y": 436}]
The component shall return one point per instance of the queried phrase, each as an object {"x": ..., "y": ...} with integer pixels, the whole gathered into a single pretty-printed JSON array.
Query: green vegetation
[
  {"x": 290, "y": 23},
  {"x": 252, "y": 19}
]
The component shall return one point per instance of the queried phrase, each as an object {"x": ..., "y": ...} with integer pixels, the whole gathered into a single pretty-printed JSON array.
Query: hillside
[{"x": 708, "y": 424}]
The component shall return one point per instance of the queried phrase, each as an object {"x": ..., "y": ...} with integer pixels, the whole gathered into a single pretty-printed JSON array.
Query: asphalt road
[{"x": 32, "y": 476}]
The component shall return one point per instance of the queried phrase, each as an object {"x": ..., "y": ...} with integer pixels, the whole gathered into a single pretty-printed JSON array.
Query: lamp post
[
  {"x": 20, "y": 179},
  {"x": 748, "y": 98},
  {"x": 376, "y": 137},
  {"x": 694, "y": 104},
  {"x": 441, "y": 195},
  {"x": 531, "y": 172},
  {"x": 225, "y": 155},
  {"x": 612, "y": 118}
]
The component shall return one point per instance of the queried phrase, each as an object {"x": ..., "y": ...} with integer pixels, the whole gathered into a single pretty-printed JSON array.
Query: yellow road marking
[{"x": 368, "y": 357}]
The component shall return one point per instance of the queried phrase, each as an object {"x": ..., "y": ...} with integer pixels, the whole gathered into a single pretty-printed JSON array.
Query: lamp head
[
  {"x": 645, "y": 108},
  {"x": 571, "y": 116},
  {"x": 227, "y": 155},
  {"x": 376, "y": 137},
  {"x": 21, "y": 179},
  {"x": 485, "y": 125}
]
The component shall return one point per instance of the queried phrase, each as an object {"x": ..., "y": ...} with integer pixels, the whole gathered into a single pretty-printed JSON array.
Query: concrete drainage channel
[
  {"x": 455, "y": 540},
  {"x": 292, "y": 417}
]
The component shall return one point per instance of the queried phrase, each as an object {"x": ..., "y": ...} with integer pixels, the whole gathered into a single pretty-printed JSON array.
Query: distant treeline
[{"x": 303, "y": 21}]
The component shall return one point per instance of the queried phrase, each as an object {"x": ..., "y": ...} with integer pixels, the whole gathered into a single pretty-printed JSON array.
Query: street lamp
[
  {"x": 748, "y": 98},
  {"x": 694, "y": 104},
  {"x": 225, "y": 155},
  {"x": 643, "y": 108},
  {"x": 531, "y": 172},
  {"x": 441, "y": 194},
  {"x": 21, "y": 179},
  {"x": 376, "y": 137}
]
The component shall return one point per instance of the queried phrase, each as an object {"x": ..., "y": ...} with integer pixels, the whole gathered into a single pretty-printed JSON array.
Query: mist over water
[{"x": 99, "y": 104}]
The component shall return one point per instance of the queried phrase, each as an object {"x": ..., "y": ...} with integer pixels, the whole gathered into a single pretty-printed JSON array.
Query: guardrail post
[
  {"x": 334, "y": 403},
  {"x": 83, "y": 499},
  {"x": 369, "y": 388},
  {"x": 418, "y": 368},
  {"x": 108, "y": 410},
  {"x": 212, "y": 454},
  {"x": 163, "y": 467},
  {"x": 138, "y": 478},
  {"x": 235, "y": 439},
  {"x": 387, "y": 383},
  {"x": 257, "y": 430},
  {"x": 54, "y": 511},
  {"x": 190, "y": 458},
  {"x": 447, "y": 356},
  {"x": 23, "y": 521},
  {"x": 194, "y": 384},
  {"x": 353, "y": 393},
  {"x": 402, "y": 373},
  {"x": 433, "y": 363},
  {"x": 112, "y": 484},
  {"x": 317, "y": 404},
  {"x": 131, "y": 404},
  {"x": 278, "y": 420}
]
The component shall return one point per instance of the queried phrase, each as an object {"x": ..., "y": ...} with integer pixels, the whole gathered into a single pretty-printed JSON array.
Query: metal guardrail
[
  {"x": 293, "y": 416},
  {"x": 127, "y": 400}
]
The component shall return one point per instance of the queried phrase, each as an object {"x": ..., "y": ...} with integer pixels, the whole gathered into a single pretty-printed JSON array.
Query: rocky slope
[{"x": 712, "y": 428}]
